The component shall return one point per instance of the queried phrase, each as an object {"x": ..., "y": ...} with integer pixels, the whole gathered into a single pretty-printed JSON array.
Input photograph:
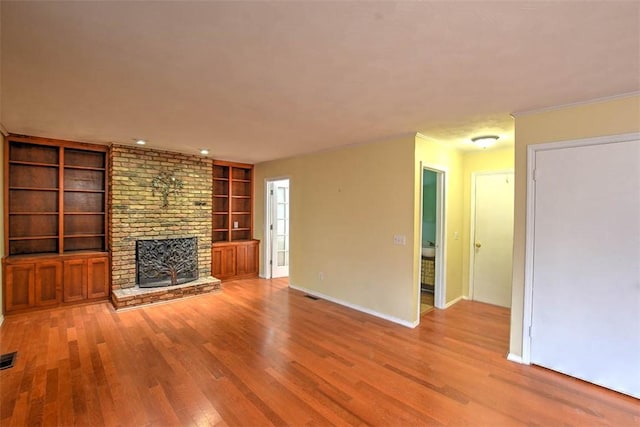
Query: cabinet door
[
  {"x": 253, "y": 258},
  {"x": 98, "y": 277},
  {"x": 223, "y": 261},
  {"x": 247, "y": 259},
  {"x": 48, "y": 283},
  {"x": 75, "y": 280},
  {"x": 19, "y": 286}
]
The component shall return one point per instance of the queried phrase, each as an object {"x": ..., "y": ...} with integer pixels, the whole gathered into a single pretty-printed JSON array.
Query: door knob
[{"x": 478, "y": 244}]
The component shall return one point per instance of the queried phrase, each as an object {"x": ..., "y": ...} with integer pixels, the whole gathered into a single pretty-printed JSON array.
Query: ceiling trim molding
[{"x": 575, "y": 104}]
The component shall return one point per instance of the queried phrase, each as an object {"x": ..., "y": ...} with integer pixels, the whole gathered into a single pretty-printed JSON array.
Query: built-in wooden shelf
[
  {"x": 55, "y": 199},
  {"x": 234, "y": 252}
]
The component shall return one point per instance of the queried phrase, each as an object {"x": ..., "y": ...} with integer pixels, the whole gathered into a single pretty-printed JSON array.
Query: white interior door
[
  {"x": 280, "y": 229},
  {"x": 493, "y": 238},
  {"x": 585, "y": 313}
]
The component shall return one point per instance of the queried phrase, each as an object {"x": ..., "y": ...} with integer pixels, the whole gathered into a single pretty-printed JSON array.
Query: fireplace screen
[{"x": 166, "y": 262}]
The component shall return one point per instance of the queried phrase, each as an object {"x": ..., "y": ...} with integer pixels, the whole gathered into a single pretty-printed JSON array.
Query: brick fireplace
[{"x": 137, "y": 211}]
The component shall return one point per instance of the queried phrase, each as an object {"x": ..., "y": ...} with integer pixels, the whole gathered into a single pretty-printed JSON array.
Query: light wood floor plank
[{"x": 259, "y": 354}]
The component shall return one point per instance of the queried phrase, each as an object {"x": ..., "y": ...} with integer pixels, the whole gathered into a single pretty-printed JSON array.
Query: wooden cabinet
[
  {"x": 33, "y": 284},
  {"x": 235, "y": 260},
  {"x": 98, "y": 277},
  {"x": 234, "y": 252},
  {"x": 247, "y": 259},
  {"x": 20, "y": 283},
  {"x": 43, "y": 281},
  {"x": 55, "y": 221},
  {"x": 224, "y": 261},
  {"x": 48, "y": 283},
  {"x": 75, "y": 280}
]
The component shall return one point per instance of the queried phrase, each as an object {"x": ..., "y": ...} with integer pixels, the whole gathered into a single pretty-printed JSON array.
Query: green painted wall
[{"x": 428, "y": 207}]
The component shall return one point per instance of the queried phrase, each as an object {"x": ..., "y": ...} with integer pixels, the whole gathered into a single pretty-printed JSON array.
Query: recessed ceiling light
[
  {"x": 140, "y": 141},
  {"x": 204, "y": 151},
  {"x": 485, "y": 141}
]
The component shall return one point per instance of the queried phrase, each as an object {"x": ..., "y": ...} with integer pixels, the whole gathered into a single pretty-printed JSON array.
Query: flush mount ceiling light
[
  {"x": 485, "y": 141},
  {"x": 204, "y": 151},
  {"x": 140, "y": 141}
]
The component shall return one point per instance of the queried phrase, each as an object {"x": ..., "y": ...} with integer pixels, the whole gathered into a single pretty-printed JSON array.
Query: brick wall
[{"x": 136, "y": 213}]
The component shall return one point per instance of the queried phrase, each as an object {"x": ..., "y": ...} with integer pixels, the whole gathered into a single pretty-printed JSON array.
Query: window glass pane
[
  {"x": 281, "y": 226},
  {"x": 281, "y": 259},
  {"x": 282, "y": 211},
  {"x": 281, "y": 243}
]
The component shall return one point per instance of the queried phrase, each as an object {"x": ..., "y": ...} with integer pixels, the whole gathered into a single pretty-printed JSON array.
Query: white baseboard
[
  {"x": 454, "y": 301},
  {"x": 355, "y": 306},
  {"x": 515, "y": 358}
]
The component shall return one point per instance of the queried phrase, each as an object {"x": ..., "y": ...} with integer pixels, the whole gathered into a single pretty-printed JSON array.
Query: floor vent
[
  {"x": 7, "y": 360},
  {"x": 312, "y": 297}
]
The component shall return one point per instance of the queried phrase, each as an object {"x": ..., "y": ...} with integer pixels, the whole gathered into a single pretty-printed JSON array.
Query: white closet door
[{"x": 586, "y": 264}]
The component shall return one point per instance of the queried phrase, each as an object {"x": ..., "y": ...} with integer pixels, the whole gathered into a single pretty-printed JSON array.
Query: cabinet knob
[{"x": 478, "y": 244}]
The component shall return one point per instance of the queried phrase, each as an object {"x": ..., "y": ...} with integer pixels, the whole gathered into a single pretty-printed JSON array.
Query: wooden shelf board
[
  {"x": 32, "y": 213},
  {"x": 241, "y": 197},
  {"x": 84, "y": 213},
  {"x": 34, "y": 188},
  {"x": 86, "y": 168},
  {"x": 67, "y": 236},
  {"x": 79, "y": 190},
  {"x": 241, "y": 213},
  {"x": 32, "y": 238},
  {"x": 21, "y": 162}
]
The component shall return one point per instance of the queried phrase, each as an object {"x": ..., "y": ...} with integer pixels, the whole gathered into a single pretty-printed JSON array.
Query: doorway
[
  {"x": 431, "y": 279},
  {"x": 277, "y": 214},
  {"x": 491, "y": 249}
]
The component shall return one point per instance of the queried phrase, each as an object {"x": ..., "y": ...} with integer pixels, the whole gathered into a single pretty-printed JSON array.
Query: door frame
[
  {"x": 440, "y": 285},
  {"x": 532, "y": 150},
  {"x": 268, "y": 217},
  {"x": 472, "y": 220}
]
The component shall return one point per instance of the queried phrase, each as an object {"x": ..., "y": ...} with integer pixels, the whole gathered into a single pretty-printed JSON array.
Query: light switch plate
[{"x": 399, "y": 239}]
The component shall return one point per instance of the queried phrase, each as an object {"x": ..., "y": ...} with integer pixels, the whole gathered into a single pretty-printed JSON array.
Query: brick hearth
[{"x": 130, "y": 297}]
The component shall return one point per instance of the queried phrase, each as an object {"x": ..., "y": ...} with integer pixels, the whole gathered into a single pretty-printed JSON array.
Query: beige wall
[
  {"x": 346, "y": 206},
  {"x": 433, "y": 154},
  {"x": 610, "y": 117},
  {"x": 478, "y": 161}
]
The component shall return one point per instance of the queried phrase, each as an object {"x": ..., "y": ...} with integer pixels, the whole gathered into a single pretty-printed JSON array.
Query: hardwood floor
[{"x": 261, "y": 354}]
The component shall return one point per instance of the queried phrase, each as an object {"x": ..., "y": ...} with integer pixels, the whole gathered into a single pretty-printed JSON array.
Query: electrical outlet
[
  {"x": 399, "y": 239},
  {"x": 456, "y": 235},
  {"x": 321, "y": 275}
]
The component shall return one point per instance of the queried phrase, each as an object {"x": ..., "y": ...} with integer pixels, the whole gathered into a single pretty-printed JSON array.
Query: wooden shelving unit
[
  {"x": 235, "y": 253},
  {"x": 55, "y": 210}
]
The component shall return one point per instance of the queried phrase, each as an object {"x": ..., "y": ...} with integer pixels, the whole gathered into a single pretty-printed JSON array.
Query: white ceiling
[{"x": 254, "y": 81}]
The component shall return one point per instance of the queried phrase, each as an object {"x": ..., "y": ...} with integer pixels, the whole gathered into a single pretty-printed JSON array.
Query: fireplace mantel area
[
  {"x": 158, "y": 198},
  {"x": 88, "y": 222}
]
